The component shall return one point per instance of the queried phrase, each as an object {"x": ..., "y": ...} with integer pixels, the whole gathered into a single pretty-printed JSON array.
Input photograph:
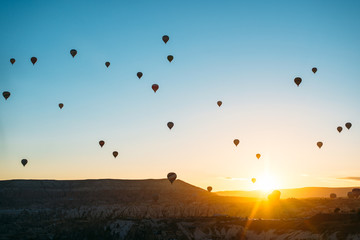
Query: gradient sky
[{"x": 244, "y": 53}]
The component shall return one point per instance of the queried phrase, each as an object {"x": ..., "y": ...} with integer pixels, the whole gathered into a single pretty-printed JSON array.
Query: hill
[
  {"x": 50, "y": 193},
  {"x": 153, "y": 198},
  {"x": 307, "y": 192}
]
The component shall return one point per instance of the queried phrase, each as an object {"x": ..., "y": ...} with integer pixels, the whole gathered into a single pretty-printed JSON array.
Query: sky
[{"x": 244, "y": 53}]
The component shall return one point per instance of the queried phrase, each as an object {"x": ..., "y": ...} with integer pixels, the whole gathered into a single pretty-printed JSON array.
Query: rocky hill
[{"x": 75, "y": 193}]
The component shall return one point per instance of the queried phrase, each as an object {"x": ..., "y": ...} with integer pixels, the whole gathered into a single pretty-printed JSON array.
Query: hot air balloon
[
  {"x": 155, "y": 87},
  {"x": 12, "y": 61},
  {"x": 314, "y": 70},
  {"x": 170, "y": 58},
  {"x": 170, "y": 125},
  {"x": 319, "y": 144},
  {"x": 101, "y": 143},
  {"x": 209, "y": 188},
  {"x": 274, "y": 196},
  {"x": 219, "y": 103},
  {"x": 24, "y": 162},
  {"x": 107, "y": 64},
  {"x": 339, "y": 129},
  {"x": 73, "y": 52},
  {"x": 253, "y": 180},
  {"x": 236, "y": 142},
  {"x": 348, "y": 125},
  {"x": 6, "y": 95},
  {"x": 165, "y": 38},
  {"x": 139, "y": 75},
  {"x": 171, "y": 176},
  {"x": 115, "y": 154},
  {"x": 258, "y": 155},
  {"x": 61, "y": 105},
  {"x": 33, "y": 60},
  {"x": 297, "y": 81}
]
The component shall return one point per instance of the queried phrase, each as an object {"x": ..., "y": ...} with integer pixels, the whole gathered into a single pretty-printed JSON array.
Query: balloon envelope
[
  {"x": 24, "y": 162},
  {"x": 170, "y": 58},
  {"x": 339, "y": 129},
  {"x": 348, "y": 125},
  {"x": 165, "y": 38},
  {"x": 297, "y": 81},
  {"x": 61, "y": 105},
  {"x": 209, "y": 188},
  {"x": 6, "y": 95},
  {"x": 319, "y": 144},
  {"x": 33, "y": 60},
  {"x": 155, "y": 87},
  {"x": 107, "y": 64},
  {"x": 274, "y": 196},
  {"x": 236, "y": 142},
  {"x": 139, "y": 75},
  {"x": 170, "y": 125},
  {"x": 219, "y": 103},
  {"x": 115, "y": 154},
  {"x": 101, "y": 143},
  {"x": 73, "y": 52},
  {"x": 172, "y": 177},
  {"x": 314, "y": 70},
  {"x": 12, "y": 60},
  {"x": 258, "y": 155},
  {"x": 253, "y": 180}
]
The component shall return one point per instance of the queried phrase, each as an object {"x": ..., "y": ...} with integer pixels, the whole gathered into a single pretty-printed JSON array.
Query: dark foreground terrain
[
  {"x": 156, "y": 209},
  {"x": 40, "y": 226}
]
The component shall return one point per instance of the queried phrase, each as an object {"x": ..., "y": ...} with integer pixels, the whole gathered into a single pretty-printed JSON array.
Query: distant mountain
[{"x": 307, "y": 192}]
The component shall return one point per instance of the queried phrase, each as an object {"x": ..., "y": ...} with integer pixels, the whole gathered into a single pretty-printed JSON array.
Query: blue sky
[{"x": 243, "y": 53}]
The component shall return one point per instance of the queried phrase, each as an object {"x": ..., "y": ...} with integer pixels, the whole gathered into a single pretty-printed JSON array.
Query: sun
[{"x": 266, "y": 183}]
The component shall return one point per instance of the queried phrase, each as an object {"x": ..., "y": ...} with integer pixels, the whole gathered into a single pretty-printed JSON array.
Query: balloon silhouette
[
  {"x": 170, "y": 125},
  {"x": 314, "y": 70},
  {"x": 24, "y": 162},
  {"x": 101, "y": 143},
  {"x": 61, "y": 105},
  {"x": 348, "y": 125},
  {"x": 170, "y": 58},
  {"x": 6, "y": 95},
  {"x": 253, "y": 180},
  {"x": 12, "y": 60},
  {"x": 165, "y": 38},
  {"x": 209, "y": 188},
  {"x": 115, "y": 154},
  {"x": 258, "y": 155},
  {"x": 33, "y": 60},
  {"x": 139, "y": 75},
  {"x": 274, "y": 196},
  {"x": 236, "y": 142},
  {"x": 172, "y": 177},
  {"x": 297, "y": 81},
  {"x": 339, "y": 129},
  {"x": 73, "y": 52},
  {"x": 319, "y": 144},
  {"x": 219, "y": 103},
  {"x": 107, "y": 64},
  {"x": 155, "y": 87}
]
